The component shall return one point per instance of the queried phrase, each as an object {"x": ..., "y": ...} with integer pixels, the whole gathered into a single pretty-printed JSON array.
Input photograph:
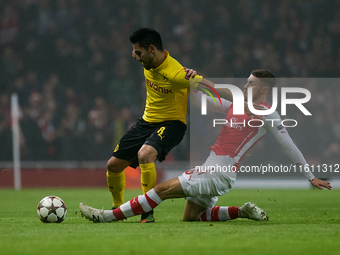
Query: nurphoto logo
[{"x": 238, "y": 102}]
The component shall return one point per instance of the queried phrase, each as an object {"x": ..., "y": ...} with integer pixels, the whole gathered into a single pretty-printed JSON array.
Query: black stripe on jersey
[{"x": 188, "y": 76}]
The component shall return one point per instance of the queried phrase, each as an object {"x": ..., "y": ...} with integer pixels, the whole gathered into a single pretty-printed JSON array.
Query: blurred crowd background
[{"x": 79, "y": 89}]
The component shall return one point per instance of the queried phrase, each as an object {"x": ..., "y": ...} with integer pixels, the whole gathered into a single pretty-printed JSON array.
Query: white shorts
[{"x": 204, "y": 184}]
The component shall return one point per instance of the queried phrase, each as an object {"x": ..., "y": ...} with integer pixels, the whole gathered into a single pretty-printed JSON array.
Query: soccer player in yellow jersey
[{"x": 163, "y": 123}]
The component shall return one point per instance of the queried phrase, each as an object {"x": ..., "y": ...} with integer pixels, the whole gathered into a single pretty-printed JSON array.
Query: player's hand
[
  {"x": 320, "y": 183},
  {"x": 190, "y": 72}
]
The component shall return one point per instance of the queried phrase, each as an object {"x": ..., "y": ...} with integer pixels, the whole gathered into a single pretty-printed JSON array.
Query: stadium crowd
[{"x": 70, "y": 63}]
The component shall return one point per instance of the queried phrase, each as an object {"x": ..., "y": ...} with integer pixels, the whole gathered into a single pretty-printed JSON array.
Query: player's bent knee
[
  {"x": 116, "y": 165},
  {"x": 162, "y": 190},
  {"x": 142, "y": 157},
  {"x": 192, "y": 211},
  {"x": 147, "y": 154},
  {"x": 170, "y": 189},
  {"x": 191, "y": 217}
]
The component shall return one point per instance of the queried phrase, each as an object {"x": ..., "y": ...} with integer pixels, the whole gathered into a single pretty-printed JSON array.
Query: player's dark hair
[
  {"x": 266, "y": 77},
  {"x": 147, "y": 36}
]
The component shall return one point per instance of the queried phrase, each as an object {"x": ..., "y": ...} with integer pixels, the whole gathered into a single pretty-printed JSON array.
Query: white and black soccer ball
[{"x": 52, "y": 209}]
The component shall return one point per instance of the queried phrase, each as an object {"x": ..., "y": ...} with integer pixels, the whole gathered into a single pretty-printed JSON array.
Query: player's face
[
  {"x": 254, "y": 83},
  {"x": 143, "y": 55}
]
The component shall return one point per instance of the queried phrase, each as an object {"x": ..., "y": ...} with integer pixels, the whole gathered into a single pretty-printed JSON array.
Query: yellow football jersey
[{"x": 167, "y": 91}]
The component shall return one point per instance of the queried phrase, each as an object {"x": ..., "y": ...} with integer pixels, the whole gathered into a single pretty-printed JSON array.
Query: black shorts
[{"x": 163, "y": 136}]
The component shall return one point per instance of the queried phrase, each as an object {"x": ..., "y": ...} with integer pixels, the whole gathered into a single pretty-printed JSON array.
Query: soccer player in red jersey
[{"x": 202, "y": 187}]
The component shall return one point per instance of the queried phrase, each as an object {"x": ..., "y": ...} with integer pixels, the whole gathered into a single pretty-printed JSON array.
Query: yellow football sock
[
  {"x": 148, "y": 176},
  {"x": 116, "y": 185}
]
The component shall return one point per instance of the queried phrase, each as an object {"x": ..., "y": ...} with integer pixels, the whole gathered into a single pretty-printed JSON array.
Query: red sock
[
  {"x": 220, "y": 213},
  {"x": 233, "y": 212},
  {"x": 137, "y": 206}
]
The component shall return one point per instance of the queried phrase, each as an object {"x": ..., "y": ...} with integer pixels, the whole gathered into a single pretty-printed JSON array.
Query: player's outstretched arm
[
  {"x": 320, "y": 183},
  {"x": 291, "y": 150},
  {"x": 224, "y": 93}
]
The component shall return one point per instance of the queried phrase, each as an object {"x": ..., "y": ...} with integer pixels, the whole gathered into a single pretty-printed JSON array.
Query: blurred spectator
[
  {"x": 5, "y": 129},
  {"x": 97, "y": 137},
  {"x": 69, "y": 134},
  {"x": 122, "y": 86},
  {"x": 34, "y": 143},
  {"x": 9, "y": 24}
]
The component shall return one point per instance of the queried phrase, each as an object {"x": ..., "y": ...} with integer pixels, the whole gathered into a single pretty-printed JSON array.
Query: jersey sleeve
[
  {"x": 273, "y": 125},
  {"x": 196, "y": 95},
  {"x": 181, "y": 80}
]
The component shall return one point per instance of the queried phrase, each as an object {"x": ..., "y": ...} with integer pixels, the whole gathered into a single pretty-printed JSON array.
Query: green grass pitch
[{"x": 300, "y": 222}]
